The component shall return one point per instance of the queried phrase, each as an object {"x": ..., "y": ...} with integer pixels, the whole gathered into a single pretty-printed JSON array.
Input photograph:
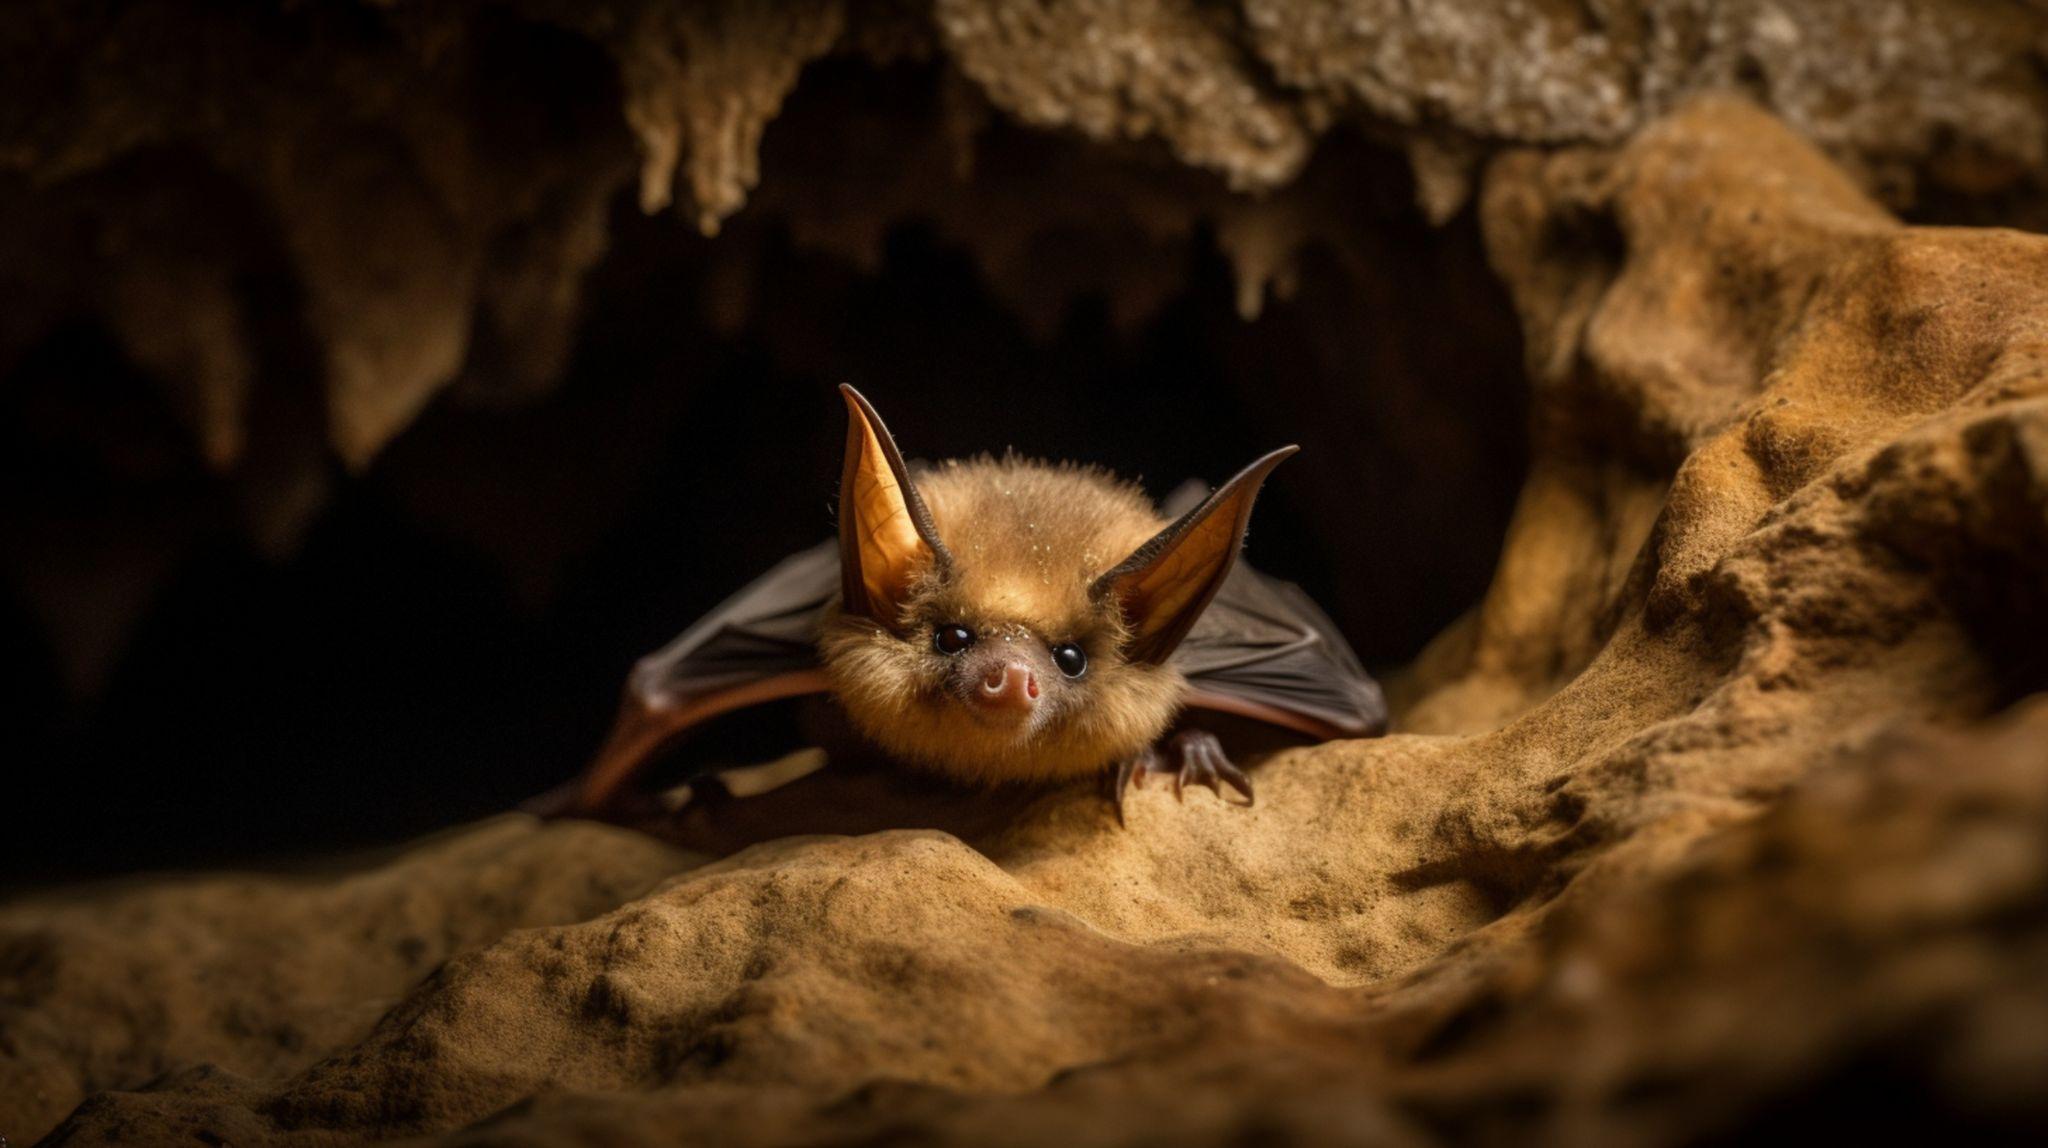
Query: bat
[{"x": 999, "y": 620}]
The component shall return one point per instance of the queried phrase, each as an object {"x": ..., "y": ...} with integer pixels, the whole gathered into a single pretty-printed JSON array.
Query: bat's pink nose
[{"x": 1009, "y": 685}]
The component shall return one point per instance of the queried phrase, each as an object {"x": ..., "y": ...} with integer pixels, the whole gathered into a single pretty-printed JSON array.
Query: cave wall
[{"x": 432, "y": 181}]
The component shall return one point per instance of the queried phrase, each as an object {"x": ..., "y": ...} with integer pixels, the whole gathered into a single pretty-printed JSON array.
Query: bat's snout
[{"x": 1008, "y": 687}]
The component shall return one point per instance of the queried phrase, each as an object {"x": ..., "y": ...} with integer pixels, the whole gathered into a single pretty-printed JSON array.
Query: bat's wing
[
  {"x": 1263, "y": 649},
  {"x": 757, "y": 646}
]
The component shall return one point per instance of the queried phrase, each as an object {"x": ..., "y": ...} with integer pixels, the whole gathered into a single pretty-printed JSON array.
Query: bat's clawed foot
[
  {"x": 1202, "y": 762},
  {"x": 1191, "y": 757}
]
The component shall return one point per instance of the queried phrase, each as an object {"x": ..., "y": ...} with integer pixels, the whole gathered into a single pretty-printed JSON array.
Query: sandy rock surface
[{"x": 1727, "y": 807}]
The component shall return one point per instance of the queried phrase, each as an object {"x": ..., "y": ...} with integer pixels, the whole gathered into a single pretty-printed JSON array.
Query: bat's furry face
[
  {"x": 1007, "y": 662},
  {"x": 1013, "y": 620},
  {"x": 995, "y": 621}
]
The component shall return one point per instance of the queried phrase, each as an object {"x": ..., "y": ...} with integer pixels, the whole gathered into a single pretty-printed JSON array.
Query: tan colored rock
[
  {"x": 702, "y": 83},
  {"x": 1901, "y": 90},
  {"x": 262, "y": 975},
  {"x": 1165, "y": 69}
]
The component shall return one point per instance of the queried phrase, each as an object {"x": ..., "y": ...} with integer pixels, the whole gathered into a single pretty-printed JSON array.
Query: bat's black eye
[
  {"x": 952, "y": 638},
  {"x": 1070, "y": 658}
]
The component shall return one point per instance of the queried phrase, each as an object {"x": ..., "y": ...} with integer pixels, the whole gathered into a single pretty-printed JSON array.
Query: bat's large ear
[
  {"x": 1164, "y": 585},
  {"x": 886, "y": 535}
]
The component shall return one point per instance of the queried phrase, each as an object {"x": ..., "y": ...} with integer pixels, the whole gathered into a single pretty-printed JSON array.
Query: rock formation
[
  {"x": 434, "y": 180},
  {"x": 1726, "y": 810}
]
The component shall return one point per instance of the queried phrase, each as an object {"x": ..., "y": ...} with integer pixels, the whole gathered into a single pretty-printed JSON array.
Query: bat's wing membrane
[
  {"x": 757, "y": 646},
  {"x": 769, "y": 628},
  {"x": 1263, "y": 649}
]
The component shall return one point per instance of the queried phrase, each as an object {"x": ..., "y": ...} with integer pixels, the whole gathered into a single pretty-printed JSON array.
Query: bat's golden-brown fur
[
  {"x": 993, "y": 620},
  {"x": 1027, "y": 539}
]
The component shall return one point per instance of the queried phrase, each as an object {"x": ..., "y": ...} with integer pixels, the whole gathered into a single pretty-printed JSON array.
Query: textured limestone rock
[
  {"x": 401, "y": 212},
  {"x": 702, "y": 82},
  {"x": 268, "y": 974},
  {"x": 1947, "y": 90},
  {"x": 436, "y": 180},
  {"x": 1165, "y": 69},
  {"x": 1725, "y": 807}
]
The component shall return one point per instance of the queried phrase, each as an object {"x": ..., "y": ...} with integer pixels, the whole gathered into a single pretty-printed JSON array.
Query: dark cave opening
[{"x": 448, "y": 634}]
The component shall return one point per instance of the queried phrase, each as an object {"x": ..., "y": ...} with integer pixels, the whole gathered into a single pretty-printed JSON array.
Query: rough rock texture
[
  {"x": 433, "y": 179},
  {"x": 1727, "y": 808},
  {"x": 270, "y": 974}
]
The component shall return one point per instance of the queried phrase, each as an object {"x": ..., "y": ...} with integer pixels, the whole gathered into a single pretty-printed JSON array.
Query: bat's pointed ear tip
[
  {"x": 857, "y": 405},
  {"x": 1264, "y": 464}
]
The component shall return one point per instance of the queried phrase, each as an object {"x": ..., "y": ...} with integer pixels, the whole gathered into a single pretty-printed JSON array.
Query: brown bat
[{"x": 997, "y": 620}]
